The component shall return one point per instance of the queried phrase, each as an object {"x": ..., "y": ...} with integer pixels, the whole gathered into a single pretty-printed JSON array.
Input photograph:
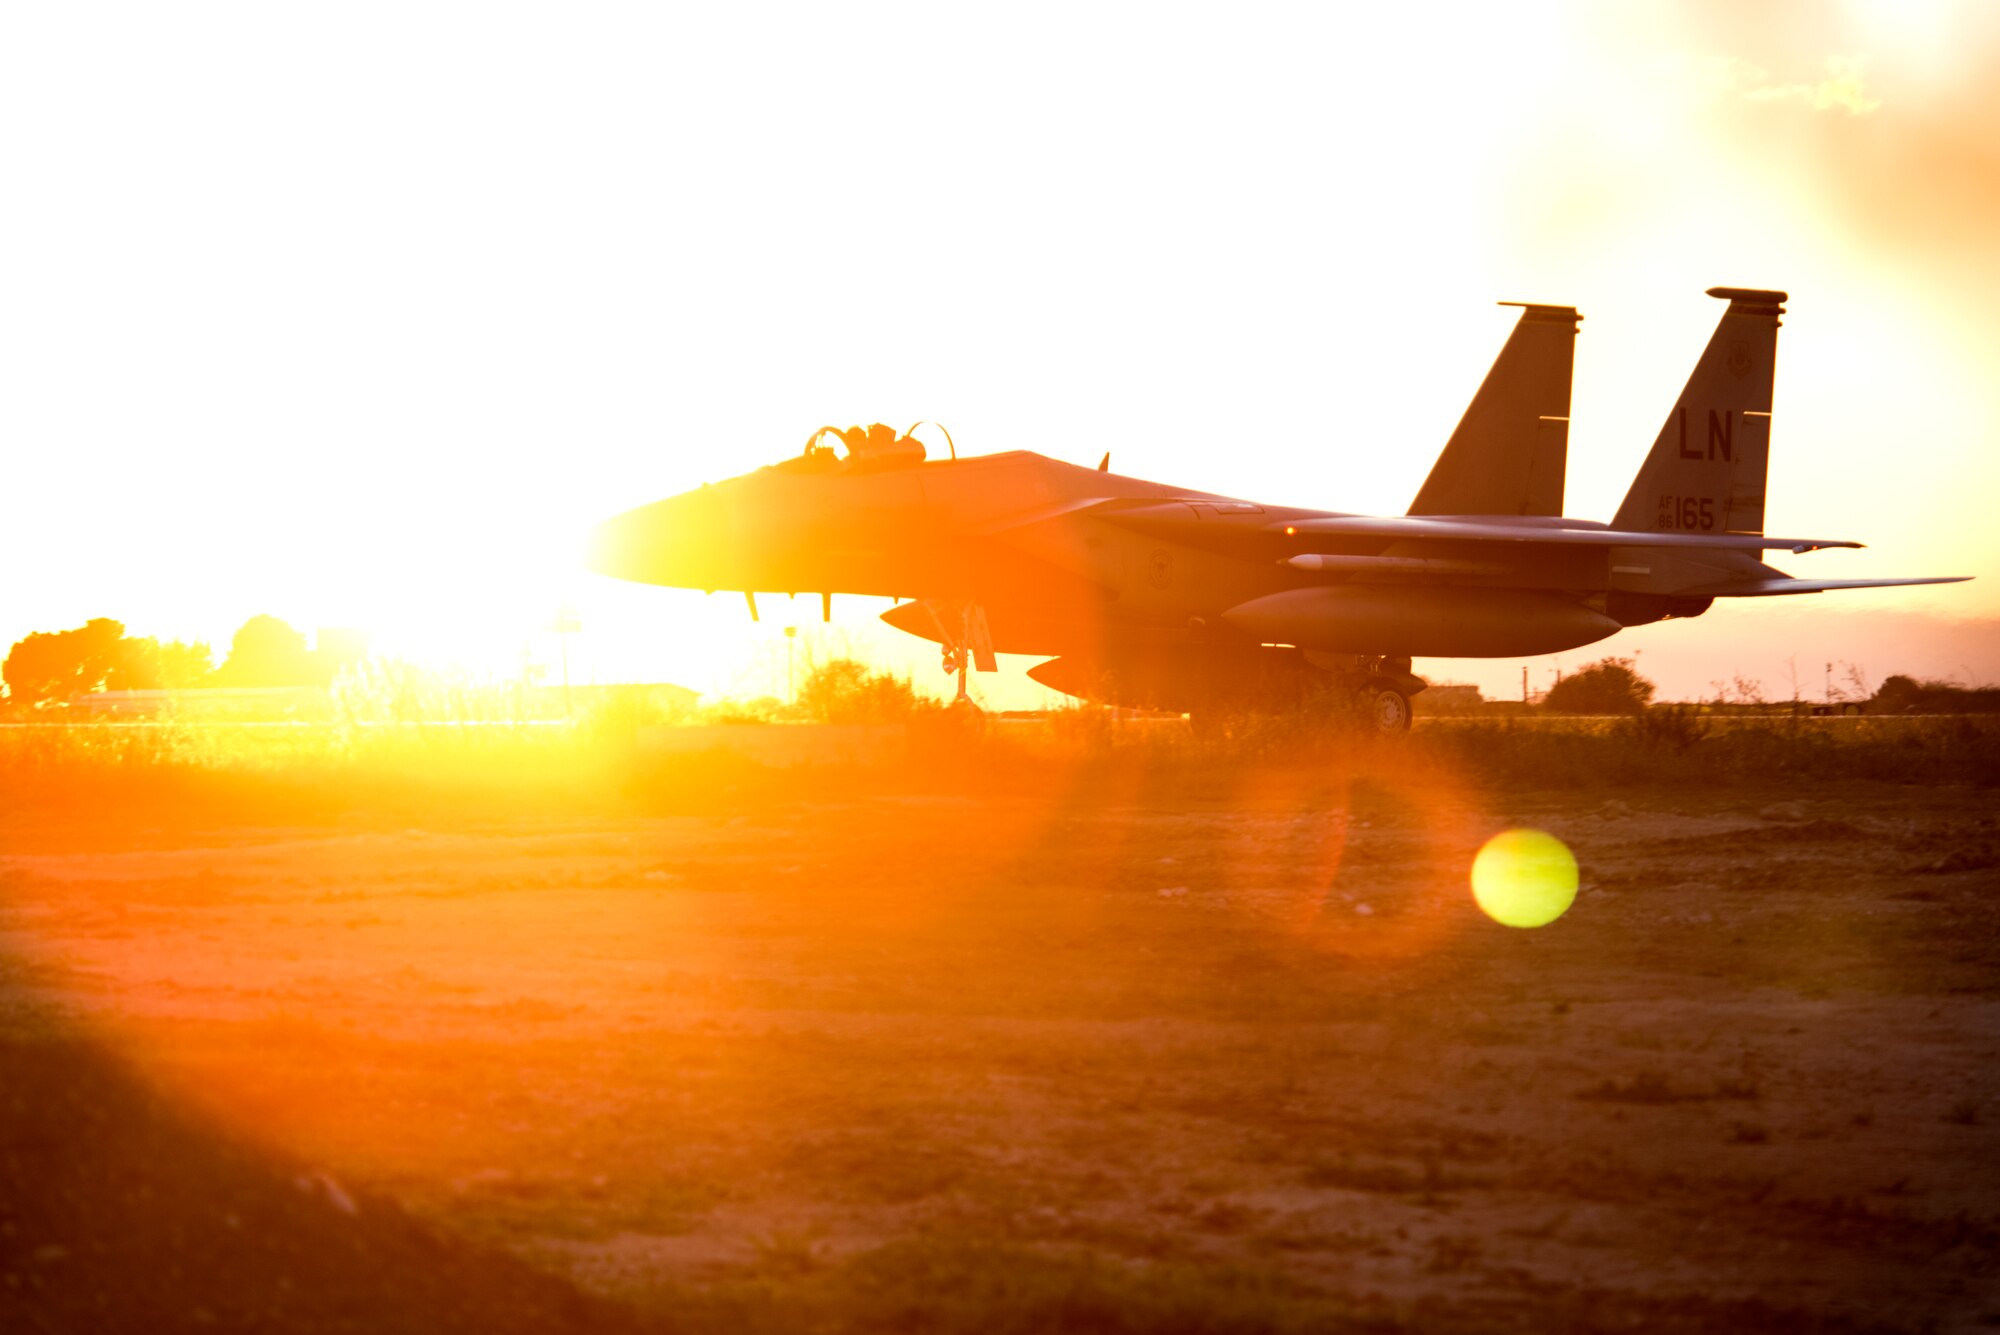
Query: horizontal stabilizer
[
  {"x": 1767, "y": 588},
  {"x": 1412, "y": 529}
]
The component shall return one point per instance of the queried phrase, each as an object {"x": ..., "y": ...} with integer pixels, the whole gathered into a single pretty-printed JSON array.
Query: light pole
[
  {"x": 791, "y": 639},
  {"x": 567, "y": 624}
]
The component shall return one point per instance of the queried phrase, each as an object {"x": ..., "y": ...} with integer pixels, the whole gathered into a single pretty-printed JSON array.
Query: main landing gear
[
  {"x": 1369, "y": 694},
  {"x": 1385, "y": 709},
  {"x": 1382, "y": 695}
]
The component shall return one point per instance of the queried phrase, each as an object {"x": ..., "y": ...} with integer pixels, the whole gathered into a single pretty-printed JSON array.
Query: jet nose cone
[
  {"x": 619, "y": 546},
  {"x": 674, "y": 541}
]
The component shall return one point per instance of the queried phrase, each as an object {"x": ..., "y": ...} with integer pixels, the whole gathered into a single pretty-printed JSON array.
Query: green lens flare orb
[{"x": 1524, "y": 878}]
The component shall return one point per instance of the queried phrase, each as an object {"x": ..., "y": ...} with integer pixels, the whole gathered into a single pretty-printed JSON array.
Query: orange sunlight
[
  {"x": 386, "y": 382},
  {"x": 492, "y": 943}
]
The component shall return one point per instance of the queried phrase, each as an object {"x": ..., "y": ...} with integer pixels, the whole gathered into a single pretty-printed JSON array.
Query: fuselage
[
  {"x": 1072, "y": 561},
  {"x": 1194, "y": 593}
]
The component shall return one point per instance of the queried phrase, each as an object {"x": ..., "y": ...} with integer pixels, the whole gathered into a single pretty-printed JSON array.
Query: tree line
[
  {"x": 1613, "y": 686},
  {"x": 49, "y": 667}
]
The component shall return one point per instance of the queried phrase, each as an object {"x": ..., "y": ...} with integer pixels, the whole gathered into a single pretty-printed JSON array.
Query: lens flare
[{"x": 1524, "y": 878}]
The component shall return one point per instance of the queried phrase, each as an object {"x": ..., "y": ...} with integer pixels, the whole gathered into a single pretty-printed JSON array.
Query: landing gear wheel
[
  {"x": 1385, "y": 709},
  {"x": 962, "y": 721}
]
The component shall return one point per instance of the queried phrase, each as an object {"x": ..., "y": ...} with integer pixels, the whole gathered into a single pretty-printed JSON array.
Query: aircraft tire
[{"x": 1385, "y": 709}]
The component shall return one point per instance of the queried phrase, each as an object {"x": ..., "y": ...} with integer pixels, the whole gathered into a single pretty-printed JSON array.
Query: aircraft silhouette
[{"x": 1151, "y": 595}]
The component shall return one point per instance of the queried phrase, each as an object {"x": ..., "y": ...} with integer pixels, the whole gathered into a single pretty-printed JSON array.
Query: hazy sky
[{"x": 361, "y": 314}]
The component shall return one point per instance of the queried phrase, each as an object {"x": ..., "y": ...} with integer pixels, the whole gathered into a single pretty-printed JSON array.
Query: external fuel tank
[{"x": 1429, "y": 621}]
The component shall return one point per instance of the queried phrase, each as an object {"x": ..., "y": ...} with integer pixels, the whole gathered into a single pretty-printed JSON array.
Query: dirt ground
[{"x": 1236, "y": 1062}]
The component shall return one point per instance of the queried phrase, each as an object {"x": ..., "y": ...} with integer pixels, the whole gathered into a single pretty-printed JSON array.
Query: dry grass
[
  {"x": 1071, "y": 1027},
  {"x": 314, "y": 769}
]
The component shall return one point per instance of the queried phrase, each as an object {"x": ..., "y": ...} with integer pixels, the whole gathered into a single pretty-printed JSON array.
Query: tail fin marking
[{"x": 1707, "y": 468}]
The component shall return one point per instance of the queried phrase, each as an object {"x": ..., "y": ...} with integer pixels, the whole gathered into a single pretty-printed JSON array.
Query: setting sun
[
  {"x": 391, "y": 377},
  {"x": 846, "y": 668}
]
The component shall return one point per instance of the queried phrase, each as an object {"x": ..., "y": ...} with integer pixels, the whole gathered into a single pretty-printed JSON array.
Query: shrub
[
  {"x": 1674, "y": 727},
  {"x": 1608, "y": 686},
  {"x": 844, "y": 691},
  {"x": 1903, "y": 695}
]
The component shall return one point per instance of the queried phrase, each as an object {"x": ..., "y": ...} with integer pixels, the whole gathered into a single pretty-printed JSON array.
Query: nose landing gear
[
  {"x": 966, "y": 644},
  {"x": 959, "y": 661}
]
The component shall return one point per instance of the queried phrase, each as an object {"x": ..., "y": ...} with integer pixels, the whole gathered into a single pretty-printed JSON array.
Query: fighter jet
[{"x": 1151, "y": 595}]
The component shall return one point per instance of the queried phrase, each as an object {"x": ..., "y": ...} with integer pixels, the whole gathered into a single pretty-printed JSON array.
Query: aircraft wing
[
  {"x": 1410, "y": 528},
  {"x": 1764, "y": 588}
]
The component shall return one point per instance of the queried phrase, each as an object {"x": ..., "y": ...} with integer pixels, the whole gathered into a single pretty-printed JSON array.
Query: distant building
[{"x": 1450, "y": 697}]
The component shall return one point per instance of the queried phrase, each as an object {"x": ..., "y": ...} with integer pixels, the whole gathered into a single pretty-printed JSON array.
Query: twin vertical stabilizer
[
  {"x": 1707, "y": 468},
  {"x": 1510, "y": 450}
]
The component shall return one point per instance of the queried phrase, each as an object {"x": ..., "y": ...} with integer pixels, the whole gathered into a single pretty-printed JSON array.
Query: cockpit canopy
[{"x": 868, "y": 449}]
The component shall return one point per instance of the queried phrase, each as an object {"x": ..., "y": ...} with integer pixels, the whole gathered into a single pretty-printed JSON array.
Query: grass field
[{"x": 1075, "y": 1028}]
